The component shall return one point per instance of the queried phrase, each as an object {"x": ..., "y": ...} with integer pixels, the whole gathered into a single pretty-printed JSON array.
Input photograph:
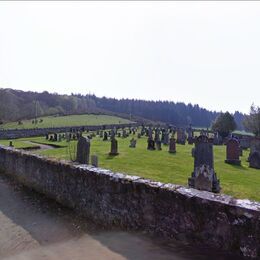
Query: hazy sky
[{"x": 205, "y": 53}]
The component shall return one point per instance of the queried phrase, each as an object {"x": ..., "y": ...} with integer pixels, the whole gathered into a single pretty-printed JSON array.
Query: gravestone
[
  {"x": 83, "y": 150},
  {"x": 157, "y": 135},
  {"x": 181, "y": 137},
  {"x": 245, "y": 142},
  {"x": 150, "y": 133},
  {"x": 112, "y": 134},
  {"x": 67, "y": 137},
  {"x": 105, "y": 136},
  {"x": 232, "y": 152},
  {"x": 124, "y": 133},
  {"x": 94, "y": 160},
  {"x": 159, "y": 145},
  {"x": 254, "y": 156},
  {"x": 11, "y": 144},
  {"x": 55, "y": 137},
  {"x": 114, "y": 147},
  {"x": 132, "y": 143},
  {"x": 190, "y": 135},
  {"x": 165, "y": 138},
  {"x": 150, "y": 144},
  {"x": 217, "y": 139},
  {"x": 204, "y": 177},
  {"x": 172, "y": 146}
]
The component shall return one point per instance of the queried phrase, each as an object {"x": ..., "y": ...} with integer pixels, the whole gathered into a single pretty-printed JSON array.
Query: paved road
[{"x": 33, "y": 227}]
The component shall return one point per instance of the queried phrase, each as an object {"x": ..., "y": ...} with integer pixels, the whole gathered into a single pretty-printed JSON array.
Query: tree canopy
[
  {"x": 18, "y": 105},
  {"x": 252, "y": 121},
  {"x": 224, "y": 124}
]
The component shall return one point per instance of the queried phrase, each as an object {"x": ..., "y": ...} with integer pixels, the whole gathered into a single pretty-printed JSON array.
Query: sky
[{"x": 205, "y": 53}]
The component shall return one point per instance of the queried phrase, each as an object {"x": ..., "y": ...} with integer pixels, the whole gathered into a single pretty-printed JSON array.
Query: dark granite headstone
[
  {"x": 114, "y": 147},
  {"x": 190, "y": 135},
  {"x": 150, "y": 144},
  {"x": 55, "y": 137},
  {"x": 105, "y": 138},
  {"x": 254, "y": 156}
]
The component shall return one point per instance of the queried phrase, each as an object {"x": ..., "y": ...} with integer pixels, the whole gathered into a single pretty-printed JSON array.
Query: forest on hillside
[{"x": 17, "y": 105}]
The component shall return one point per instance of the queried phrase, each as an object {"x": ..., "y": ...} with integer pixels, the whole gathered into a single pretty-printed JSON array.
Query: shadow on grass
[
  {"x": 110, "y": 157},
  {"x": 240, "y": 167}
]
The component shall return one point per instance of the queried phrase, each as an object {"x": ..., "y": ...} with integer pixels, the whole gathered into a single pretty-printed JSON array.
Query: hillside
[
  {"x": 19, "y": 105},
  {"x": 63, "y": 121}
]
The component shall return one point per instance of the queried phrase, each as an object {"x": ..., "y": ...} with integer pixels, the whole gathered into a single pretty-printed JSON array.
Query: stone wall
[
  {"x": 22, "y": 133},
  {"x": 131, "y": 202}
]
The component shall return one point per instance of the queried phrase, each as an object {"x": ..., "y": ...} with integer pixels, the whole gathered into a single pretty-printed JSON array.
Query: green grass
[
  {"x": 72, "y": 120},
  {"x": 238, "y": 181},
  {"x": 18, "y": 144}
]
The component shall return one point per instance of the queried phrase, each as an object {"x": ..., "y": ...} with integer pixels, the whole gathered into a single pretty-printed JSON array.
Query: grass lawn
[
  {"x": 72, "y": 120},
  {"x": 238, "y": 181},
  {"x": 18, "y": 144}
]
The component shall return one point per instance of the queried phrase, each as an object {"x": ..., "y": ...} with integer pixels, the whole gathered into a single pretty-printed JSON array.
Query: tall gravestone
[
  {"x": 181, "y": 136},
  {"x": 114, "y": 147},
  {"x": 204, "y": 177},
  {"x": 190, "y": 135},
  {"x": 217, "y": 139},
  {"x": 105, "y": 138},
  {"x": 254, "y": 156},
  {"x": 232, "y": 152},
  {"x": 157, "y": 135},
  {"x": 83, "y": 150}
]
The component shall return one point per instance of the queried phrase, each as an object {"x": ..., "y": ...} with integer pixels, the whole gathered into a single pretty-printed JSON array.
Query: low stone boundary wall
[
  {"x": 135, "y": 203},
  {"x": 22, "y": 133}
]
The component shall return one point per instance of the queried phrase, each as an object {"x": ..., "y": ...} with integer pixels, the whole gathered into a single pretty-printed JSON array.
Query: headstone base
[
  {"x": 113, "y": 154},
  {"x": 234, "y": 162}
]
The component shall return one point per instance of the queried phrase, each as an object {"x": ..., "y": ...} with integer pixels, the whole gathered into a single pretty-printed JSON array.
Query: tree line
[{"x": 18, "y": 105}]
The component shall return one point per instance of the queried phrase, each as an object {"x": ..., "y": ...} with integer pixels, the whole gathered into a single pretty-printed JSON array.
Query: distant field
[
  {"x": 72, "y": 120},
  {"x": 238, "y": 181}
]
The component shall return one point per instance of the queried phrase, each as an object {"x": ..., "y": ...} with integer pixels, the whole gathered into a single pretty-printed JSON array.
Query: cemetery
[
  {"x": 172, "y": 163},
  {"x": 113, "y": 199},
  {"x": 129, "y": 130},
  {"x": 169, "y": 181}
]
